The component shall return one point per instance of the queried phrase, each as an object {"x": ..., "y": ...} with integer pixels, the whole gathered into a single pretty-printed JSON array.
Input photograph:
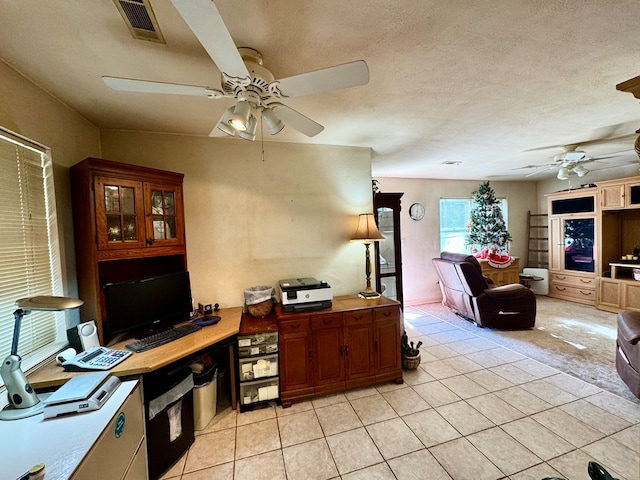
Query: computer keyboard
[{"x": 162, "y": 338}]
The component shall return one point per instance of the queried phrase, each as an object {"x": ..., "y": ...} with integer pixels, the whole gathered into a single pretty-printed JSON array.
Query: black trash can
[{"x": 168, "y": 399}]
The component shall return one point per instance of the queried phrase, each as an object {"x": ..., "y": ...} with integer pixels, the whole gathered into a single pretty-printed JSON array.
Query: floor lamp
[
  {"x": 367, "y": 232},
  {"x": 23, "y": 400}
]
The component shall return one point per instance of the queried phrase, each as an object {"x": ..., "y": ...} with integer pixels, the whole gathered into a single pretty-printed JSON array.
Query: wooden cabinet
[
  {"x": 386, "y": 342},
  {"x": 619, "y": 227},
  {"x": 296, "y": 352},
  {"x": 128, "y": 224},
  {"x": 502, "y": 276},
  {"x": 355, "y": 343},
  {"x": 388, "y": 252},
  {"x": 573, "y": 245},
  {"x": 620, "y": 193},
  {"x": 619, "y": 291}
]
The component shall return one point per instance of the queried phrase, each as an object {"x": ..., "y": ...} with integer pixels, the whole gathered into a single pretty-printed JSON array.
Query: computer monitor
[{"x": 147, "y": 304}]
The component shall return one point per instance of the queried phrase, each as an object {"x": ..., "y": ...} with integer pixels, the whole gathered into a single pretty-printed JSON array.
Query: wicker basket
[
  {"x": 410, "y": 363},
  {"x": 261, "y": 309}
]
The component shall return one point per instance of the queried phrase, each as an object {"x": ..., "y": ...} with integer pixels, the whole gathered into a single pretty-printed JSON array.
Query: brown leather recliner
[
  {"x": 628, "y": 351},
  {"x": 470, "y": 294}
]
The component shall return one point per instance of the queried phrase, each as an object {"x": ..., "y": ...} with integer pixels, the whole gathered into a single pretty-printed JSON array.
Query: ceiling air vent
[{"x": 139, "y": 17}]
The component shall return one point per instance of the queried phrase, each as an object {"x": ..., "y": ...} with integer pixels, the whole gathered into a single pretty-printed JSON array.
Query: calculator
[{"x": 96, "y": 358}]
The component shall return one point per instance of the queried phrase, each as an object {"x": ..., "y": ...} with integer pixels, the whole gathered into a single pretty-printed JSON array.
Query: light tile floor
[{"x": 472, "y": 410}]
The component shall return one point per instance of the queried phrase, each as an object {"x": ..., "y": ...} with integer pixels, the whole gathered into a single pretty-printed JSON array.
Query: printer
[{"x": 304, "y": 294}]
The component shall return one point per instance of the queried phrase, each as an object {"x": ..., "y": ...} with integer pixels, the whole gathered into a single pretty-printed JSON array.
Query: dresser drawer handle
[
  {"x": 560, "y": 278},
  {"x": 560, "y": 288},
  {"x": 294, "y": 325},
  {"x": 585, "y": 293},
  {"x": 585, "y": 281}
]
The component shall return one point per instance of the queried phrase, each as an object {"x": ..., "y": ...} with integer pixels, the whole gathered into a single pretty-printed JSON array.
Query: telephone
[{"x": 97, "y": 358}]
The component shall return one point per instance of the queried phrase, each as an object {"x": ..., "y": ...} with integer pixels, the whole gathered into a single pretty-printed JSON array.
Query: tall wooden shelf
[
  {"x": 600, "y": 276},
  {"x": 620, "y": 231},
  {"x": 128, "y": 224}
]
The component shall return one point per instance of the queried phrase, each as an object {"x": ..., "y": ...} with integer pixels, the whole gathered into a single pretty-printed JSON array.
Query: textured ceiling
[{"x": 474, "y": 82}]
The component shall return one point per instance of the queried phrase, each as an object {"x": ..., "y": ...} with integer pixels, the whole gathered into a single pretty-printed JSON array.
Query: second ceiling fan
[{"x": 245, "y": 79}]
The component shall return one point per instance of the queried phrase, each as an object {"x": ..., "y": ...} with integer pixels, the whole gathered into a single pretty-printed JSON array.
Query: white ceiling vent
[{"x": 140, "y": 19}]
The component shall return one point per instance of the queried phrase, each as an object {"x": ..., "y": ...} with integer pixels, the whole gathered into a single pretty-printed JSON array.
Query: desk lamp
[
  {"x": 367, "y": 232},
  {"x": 23, "y": 400}
]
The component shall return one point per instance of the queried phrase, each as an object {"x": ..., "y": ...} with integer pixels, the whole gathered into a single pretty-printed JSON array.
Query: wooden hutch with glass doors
[{"x": 128, "y": 224}]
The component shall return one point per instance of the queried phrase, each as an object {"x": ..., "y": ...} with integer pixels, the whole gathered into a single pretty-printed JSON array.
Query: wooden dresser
[
  {"x": 502, "y": 276},
  {"x": 353, "y": 344}
]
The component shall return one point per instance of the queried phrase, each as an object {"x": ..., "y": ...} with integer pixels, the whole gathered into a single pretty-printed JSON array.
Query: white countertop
[{"x": 60, "y": 443}]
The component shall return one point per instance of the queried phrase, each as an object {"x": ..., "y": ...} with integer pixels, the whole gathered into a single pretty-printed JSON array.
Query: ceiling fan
[
  {"x": 245, "y": 79},
  {"x": 571, "y": 160}
]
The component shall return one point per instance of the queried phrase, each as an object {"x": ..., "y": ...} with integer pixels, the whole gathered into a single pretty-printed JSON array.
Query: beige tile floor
[{"x": 472, "y": 410}]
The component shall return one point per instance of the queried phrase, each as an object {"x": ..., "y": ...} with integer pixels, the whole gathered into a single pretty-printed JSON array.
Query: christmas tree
[{"x": 486, "y": 226}]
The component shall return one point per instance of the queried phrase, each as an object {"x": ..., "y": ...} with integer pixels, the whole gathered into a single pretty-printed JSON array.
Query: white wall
[
  {"x": 421, "y": 239},
  {"x": 27, "y": 110},
  {"x": 252, "y": 222}
]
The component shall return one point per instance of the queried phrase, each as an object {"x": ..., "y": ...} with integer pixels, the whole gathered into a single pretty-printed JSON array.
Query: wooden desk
[{"x": 138, "y": 364}]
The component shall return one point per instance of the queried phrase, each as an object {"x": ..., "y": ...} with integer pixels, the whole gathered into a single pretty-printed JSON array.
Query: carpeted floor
[{"x": 573, "y": 338}]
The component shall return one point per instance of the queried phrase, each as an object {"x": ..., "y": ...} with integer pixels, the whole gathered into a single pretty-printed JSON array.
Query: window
[
  {"x": 454, "y": 216},
  {"x": 29, "y": 250}
]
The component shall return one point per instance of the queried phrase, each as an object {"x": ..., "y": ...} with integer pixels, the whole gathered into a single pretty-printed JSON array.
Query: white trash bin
[{"x": 541, "y": 287}]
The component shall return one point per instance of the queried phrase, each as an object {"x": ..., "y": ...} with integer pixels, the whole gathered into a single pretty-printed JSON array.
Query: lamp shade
[
  {"x": 223, "y": 124},
  {"x": 563, "y": 173},
  {"x": 240, "y": 117},
  {"x": 367, "y": 230},
  {"x": 250, "y": 132},
  {"x": 273, "y": 123},
  {"x": 580, "y": 170}
]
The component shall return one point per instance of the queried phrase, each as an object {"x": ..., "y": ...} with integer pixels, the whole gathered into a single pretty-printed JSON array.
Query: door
[
  {"x": 295, "y": 356},
  {"x": 387, "y": 340},
  {"x": 388, "y": 252},
  {"x": 328, "y": 357},
  {"x": 164, "y": 220},
  {"x": 358, "y": 341},
  {"x": 119, "y": 213},
  {"x": 579, "y": 240}
]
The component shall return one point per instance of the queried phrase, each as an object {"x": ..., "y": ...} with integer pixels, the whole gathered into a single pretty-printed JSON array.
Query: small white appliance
[
  {"x": 82, "y": 393},
  {"x": 303, "y": 294}
]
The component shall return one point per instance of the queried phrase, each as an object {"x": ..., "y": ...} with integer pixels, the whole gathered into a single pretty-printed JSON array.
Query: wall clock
[{"x": 416, "y": 211}]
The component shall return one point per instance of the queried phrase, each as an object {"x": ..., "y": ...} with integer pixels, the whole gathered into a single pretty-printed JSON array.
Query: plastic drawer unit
[{"x": 258, "y": 361}]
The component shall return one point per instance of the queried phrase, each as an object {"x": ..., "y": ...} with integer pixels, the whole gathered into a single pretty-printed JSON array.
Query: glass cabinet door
[
  {"x": 388, "y": 253},
  {"x": 119, "y": 213},
  {"x": 164, "y": 214},
  {"x": 578, "y": 244}
]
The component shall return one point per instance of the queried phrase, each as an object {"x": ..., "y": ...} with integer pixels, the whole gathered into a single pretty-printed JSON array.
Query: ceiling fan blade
[
  {"x": 205, "y": 21},
  {"x": 548, "y": 167},
  {"x": 145, "y": 86},
  {"x": 610, "y": 155},
  {"x": 296, "y": 120},
  {"x": 325, "y": 80}
]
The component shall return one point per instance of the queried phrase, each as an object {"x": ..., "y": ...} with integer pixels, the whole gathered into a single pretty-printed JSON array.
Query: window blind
[{"x": 29, "y": 249}]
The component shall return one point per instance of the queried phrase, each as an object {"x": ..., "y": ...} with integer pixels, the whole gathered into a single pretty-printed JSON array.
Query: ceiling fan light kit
[
  {"x": 250, "y": 132},
  {"x": 563, "y": 173},
  {"x": 224, "y": 125},
  {"x": 240, "y": 117},
  {"x": 274, "y": 124},
  {"x": 245, "y": 79},
  {"x": 580, "y": 170}
]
